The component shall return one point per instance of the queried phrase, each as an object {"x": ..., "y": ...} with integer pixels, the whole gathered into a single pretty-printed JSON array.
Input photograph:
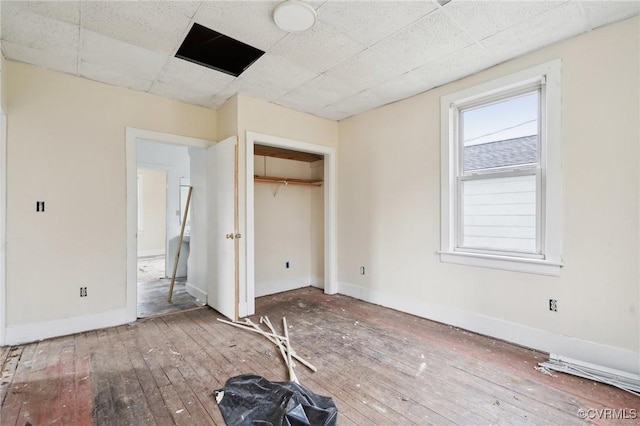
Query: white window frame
[{"x": 547, "y": 260}]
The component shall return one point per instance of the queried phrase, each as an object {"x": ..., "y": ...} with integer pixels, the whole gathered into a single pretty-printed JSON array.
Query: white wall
[
  {"x": 197, "y": 261},
  {"x": 175, "y": 161},
  {"x": 389, "y": 212},
  {"x": 285, "y": 227},
  {"x": 152, "y": 222}
]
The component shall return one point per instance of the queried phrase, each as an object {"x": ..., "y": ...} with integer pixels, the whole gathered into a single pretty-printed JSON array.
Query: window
[{"x": 501, "y": 173}]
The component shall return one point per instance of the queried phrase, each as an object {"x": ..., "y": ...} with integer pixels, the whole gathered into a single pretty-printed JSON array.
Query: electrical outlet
[
  {"x": 83, "y": 292},
  {"x": 553, "y": 305},
  {"x": 362, "y": 270}
]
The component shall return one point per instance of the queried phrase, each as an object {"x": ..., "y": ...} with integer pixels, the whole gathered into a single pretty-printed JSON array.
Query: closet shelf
[{"x": 287, "y": 181}]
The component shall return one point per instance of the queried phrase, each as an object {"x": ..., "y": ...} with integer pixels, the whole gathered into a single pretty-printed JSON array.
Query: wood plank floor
[
  {"x": 380, "y": 366},
  {"x": 153, "y": 290}
]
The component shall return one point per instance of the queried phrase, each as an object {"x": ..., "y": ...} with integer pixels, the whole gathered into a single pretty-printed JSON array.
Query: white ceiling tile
[
  {"x": 250, "y": 22},
  {"x": 277, "y": 71},
  {"x": 267, "y": 92},
  {"x": 180, "y": 93},
  {"x": 360, "y": 102},
  {"x": 401, "y": 87},
  {"x": 368, "y": 68},
  {"x": 65, "y": 11},
  {"x": 601, "y": 13},
  {"x": 21, "y": 26},
  {"x": 332, "y": 113},
  {"x": 429, "y": 39},
  {"x": 118, "y": 55},
  {"x": 193, "y": 77},
  {"x": 496, "y": 15},
  {"x": 106, "y": 74},
  {"x": 317, "y": 93},
  {"x": 40, "y": 58},
  {"x": 152, "y": 25},
  {"x": 319, "y": 49},
  {"x": 217, "y": 101},
  {"x": 557, "y": 24},
  {"x": 382, "y": 18},
  {"x": 455, "y": 66}
]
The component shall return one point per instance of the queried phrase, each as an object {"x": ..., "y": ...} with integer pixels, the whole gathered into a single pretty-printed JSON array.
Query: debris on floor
[
  {"x": 544, "y": 370},
  {"x": 282, "y": 342},
  {"x": 250, "y": 399}
]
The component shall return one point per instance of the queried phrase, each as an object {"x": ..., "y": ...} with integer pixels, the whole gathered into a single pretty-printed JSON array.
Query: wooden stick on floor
[
  {"x": 175, "y": 264},
  {"x": 294, "y": 355},
  {"x": 292, "y": 374}
]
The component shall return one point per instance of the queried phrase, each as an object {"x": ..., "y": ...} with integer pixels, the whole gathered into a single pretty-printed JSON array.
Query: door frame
[
  {"x": 330, "y": 195},
  {"x": 132, "y": 136}
]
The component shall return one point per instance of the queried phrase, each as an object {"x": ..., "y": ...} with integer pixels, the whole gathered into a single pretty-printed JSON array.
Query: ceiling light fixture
[{"x": 294, "y": 16}]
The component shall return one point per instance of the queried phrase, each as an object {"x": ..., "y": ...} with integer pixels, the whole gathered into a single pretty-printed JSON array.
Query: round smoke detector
[{"x": 294, "y": 16}]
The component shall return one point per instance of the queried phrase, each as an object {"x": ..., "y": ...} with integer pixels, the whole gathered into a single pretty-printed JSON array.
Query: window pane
[
  {"x": 501, "y": 134},
  {"x": 500, "y": 214}
]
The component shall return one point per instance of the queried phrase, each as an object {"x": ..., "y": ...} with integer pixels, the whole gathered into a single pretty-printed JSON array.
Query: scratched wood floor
[{"x": 380, "y": 366}]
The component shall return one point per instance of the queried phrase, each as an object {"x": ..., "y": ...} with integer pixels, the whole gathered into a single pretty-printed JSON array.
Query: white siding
[{"x": 500, "y": 213}]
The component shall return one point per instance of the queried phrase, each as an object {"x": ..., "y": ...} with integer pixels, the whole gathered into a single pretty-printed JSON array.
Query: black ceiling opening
[{"x": 211, "y": 49}]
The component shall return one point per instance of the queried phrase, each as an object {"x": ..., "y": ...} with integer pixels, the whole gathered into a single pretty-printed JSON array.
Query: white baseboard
[
  {"x": 196, "y": 292},
  {"x": 33, "y": 332},
  {"x": 565, "y": 346},
  {"x": 149, "y": 253},
  {"x": 271, "y": 287}
]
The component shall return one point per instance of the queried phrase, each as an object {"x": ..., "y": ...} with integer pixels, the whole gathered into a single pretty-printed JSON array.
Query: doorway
[
  {"x": 158, "y": 172},
  {"x": 163, "y": 174}
]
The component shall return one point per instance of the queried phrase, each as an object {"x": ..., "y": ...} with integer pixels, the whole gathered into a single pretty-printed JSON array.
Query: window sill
[{"x": 517, "y": 264}]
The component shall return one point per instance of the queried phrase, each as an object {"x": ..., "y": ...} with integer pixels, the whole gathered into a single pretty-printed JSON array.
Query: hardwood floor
[
  {"x": 152, "y": 298},
  {"x": 380, "y": 366},
  {"x": 153, "y": 290}
]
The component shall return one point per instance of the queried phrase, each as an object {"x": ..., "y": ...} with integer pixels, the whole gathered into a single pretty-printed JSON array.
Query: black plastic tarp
[{"x": 253, "y": 400}]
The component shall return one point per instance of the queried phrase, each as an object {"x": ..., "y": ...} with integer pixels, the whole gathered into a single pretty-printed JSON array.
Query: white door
[{"x": 223, "y": 236}]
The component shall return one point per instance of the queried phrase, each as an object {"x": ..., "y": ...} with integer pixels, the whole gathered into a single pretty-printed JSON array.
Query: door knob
[{"x": 230, "y": 236}]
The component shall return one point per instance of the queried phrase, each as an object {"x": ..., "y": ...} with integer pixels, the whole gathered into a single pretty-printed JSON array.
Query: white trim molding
[
  {"x": 196, "y": 292},
  {"x": 606, "y": 357},
  {"x": 32, "y": 332},
  {"x": 330, "y": 213},
  {"x": 279, "y": 286}
]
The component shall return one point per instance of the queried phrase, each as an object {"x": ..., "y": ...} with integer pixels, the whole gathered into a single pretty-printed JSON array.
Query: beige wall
[
  {"x": 66, "y": 146},
  {"x": 228, "y": 119},
  {"x": 284, "y": 223},
  {"x": 260, "y": 116},
  {"x": 389, "y": 203},
  {"x": 152, "y": 233}
]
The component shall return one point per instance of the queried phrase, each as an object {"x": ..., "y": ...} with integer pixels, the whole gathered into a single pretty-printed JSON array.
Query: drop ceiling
[{"x": 358, "y": 56}]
